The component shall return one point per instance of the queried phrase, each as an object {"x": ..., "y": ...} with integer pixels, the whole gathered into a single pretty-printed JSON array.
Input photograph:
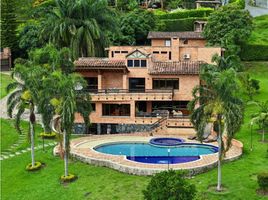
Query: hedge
[
  {"x": 253, "y": 52},
  {"x": 204, "y": 12},
  {"x": 180, "y": 24},
  {"x": 239, "y": 3}
]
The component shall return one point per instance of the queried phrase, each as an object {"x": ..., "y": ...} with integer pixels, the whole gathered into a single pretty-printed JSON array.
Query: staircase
[{"x": 159, "y": 126}]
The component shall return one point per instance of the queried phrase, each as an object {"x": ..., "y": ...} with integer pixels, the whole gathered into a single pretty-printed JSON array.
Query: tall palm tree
[
  {"x": 25, "y": 96},
  {"x": 217, "y": 101},
  {"x": 80, "y": 25},
  {"x": 61, "y": 88}
]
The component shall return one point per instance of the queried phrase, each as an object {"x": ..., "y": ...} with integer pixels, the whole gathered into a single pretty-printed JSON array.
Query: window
[
  {"x": 124, "y": 51},
  {"x": 130, "y": 63},
  {"x": 93, "y": 105},
  {"x": 143, "y": 63},
  {"x": 137, "y": 63},
  {"x": 92, "y": 83},
  {"x": 185, "y": 41},
  {"x": 136, "y": 84},
  {"x": 116, "y": 109},
  {"x": 169, "y": 55},
  {"x": 165, "y": 83},
  {"x": 117, "y": 52},
  {"x": 163, "y": 52},
  {"x": 155, "y": 52},
  {"x": 112, "y": 54},
  {"x": 167, "y": 43}
]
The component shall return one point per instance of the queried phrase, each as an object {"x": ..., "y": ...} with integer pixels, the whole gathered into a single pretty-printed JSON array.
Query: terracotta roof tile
[
  {"x": 99, "y": 62},
  {"x": 185, "y": 35},
  {"x": 175, "y": 68}
]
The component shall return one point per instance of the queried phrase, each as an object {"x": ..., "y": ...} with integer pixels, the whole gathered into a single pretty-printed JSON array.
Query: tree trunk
[
  {"x": 32, "y": 121},
  {"x": 65, "y": 153},
  {"x": 263, "y": 133},
  {"x": 219, "y": 156},
  {"x": 32, "y": 142}
]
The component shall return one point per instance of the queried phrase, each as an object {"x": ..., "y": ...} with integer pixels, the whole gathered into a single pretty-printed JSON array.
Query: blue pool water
[{"x": 146, "y": 153}]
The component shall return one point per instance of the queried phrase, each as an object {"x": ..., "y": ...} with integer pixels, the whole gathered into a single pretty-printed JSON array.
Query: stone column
[
  {"x": 132, "y": 109},
  {"x": 98, "y": 128},
  {"x": 125, "y": 82},
  {"x": 99, "y": 81}
]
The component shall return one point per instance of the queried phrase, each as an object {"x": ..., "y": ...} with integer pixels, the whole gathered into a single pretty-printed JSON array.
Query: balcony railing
[{"x": 123, "y": 91}]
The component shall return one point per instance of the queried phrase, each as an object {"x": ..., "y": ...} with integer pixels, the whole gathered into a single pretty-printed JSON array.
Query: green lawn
[
  {"x": 5, "y": 80},
  {"x": 99, "y": 183},
  {"x": 9, "y": 135},
  {"x": 260, "y": 33}
]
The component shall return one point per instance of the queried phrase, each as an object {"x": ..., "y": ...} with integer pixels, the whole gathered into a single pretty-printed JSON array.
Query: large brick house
[{"x": 146, "y": 88}]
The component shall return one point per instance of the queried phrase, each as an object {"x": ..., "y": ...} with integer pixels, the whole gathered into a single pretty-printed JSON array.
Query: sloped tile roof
[
  {"x": 184, "y": 35},
  {"x": 99, "y": 63},
  {"x": 175, "y": 68}
]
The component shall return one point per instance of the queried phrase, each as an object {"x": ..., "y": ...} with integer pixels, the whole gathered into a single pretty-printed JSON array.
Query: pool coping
[{"x": 83, "y": 150}]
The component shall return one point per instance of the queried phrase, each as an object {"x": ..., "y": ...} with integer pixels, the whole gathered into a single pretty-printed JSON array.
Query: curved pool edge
[{"x": 122, "y": 164}]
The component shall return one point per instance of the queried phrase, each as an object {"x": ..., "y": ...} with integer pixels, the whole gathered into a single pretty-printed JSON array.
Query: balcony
[{"x": 129, "y": 95}]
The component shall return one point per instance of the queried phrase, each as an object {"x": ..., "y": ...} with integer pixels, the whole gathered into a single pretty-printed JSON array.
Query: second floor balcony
[{"x": 130, "y": 94}]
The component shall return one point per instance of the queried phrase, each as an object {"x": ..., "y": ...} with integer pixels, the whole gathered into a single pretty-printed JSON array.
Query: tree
[
  {"x": 134, "y": 28},
  {"x": 261, "y": 117},
  {"x": 9, "y": 25},
  {"x": 250, "y": 85},
  {"x": 217, "y": 101},
  {"x": 25, "y": 96},
  {"x": 80, "y": 26},
  {"x": 228, "y": 27},
  {"x": 168, "y": 185},
  {"x": 61, "y": 89}
]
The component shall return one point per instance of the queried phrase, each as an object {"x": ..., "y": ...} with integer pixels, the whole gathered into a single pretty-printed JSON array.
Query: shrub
[
  {"x": 239, "y": 3},
  {"x": 169, "y": 185},
  {"x": 37, "y": 165},
  {"x": 204, "y": 12},
  {"x": 48, "y": 135},
  {"x": 263, "y": 181},
  {"x": 253, "y": 52},
  {"x": 68, "y": 179},
  {"x": 186, "y": 24}
]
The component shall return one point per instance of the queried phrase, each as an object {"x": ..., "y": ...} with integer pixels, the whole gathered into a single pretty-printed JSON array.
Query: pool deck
[{"x": 82, "y": 149}]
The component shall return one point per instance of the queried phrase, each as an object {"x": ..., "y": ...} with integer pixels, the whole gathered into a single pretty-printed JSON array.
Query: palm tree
[
  {"x": 261, "y": 117},
  {"x": 27, "y": 84},
  {"x": 217, "y": 101},
  {"x": 61, "y": 89},
  {"x": 80, "y": 25}
]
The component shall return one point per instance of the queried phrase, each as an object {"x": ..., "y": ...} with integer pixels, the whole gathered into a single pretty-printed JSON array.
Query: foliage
[
  {"x": 37, "y": 166},
  {"x": 172, "y": 4},
  {"x": 263, "y": 180},
  {"x": 238, "y": 3},
  {"x": 250, "y": 85},
  {"x": 168, "y": 185},
  {"x": 228, "y": 27},
  {"x": 134, "y": 27},
  {"x": 80, "y": 25},
  {"x": 29, "y": 37},
  {"x": 127, "y": 5},
  {"x": 9, "y": 26},
  {"x": 254, "y": 52},
  {"x": 202, "y": 12},
  {"x": 186, "y": 24}
]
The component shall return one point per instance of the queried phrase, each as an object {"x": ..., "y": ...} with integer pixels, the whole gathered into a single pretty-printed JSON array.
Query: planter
[
  {"x": 51, "y": 135},
  {"x": 68, "y": 179},
  {"x": 37, "y": 166}
]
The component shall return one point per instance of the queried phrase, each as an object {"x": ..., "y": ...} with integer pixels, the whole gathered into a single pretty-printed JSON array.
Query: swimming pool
[{"x": 146, "y": 153}]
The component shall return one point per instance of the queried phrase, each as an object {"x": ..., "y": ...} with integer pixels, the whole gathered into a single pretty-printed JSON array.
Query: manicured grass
[
  {"x": 5, "y": 80},
  {"x": 260, "y": 33},
  {"x": 9, "y": 135},
  {"x": 102, "y": 183}
]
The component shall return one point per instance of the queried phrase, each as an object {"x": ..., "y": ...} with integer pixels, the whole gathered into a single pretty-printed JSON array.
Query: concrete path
[{"x": 256, "y": 11}]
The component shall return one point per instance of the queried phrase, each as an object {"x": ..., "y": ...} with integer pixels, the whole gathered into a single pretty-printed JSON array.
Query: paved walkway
[
  {"x": 256, "y": 11},
  {"x": 9, "y": 153}
]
